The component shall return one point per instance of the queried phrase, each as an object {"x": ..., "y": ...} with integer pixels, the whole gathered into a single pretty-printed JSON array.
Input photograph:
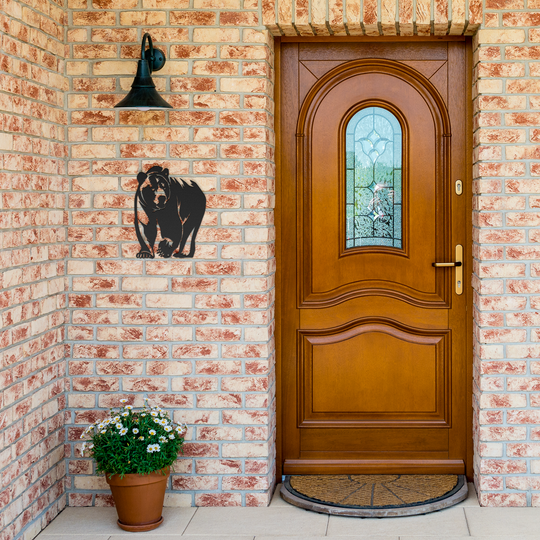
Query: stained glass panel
[{"x": 373, "y": 178}]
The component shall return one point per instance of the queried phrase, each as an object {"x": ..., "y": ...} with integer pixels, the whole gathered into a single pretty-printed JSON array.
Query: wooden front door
[{"x": 374, "y": 338}]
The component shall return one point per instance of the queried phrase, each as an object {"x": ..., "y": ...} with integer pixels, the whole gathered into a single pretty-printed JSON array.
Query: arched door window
[{"x": 374, "y": 183}]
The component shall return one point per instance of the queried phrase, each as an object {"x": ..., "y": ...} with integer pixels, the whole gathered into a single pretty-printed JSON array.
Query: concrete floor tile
[
  {"x": 45, "y": 536},
  {"x": 472, "y": 498},
  {"x": 435, "y": 538},
  {"x": 83, "y": 521},
  {"x": 326, "y": 538},
  {"x": 449, "y": 522},
  {"x": 503, "y": 537},
  {"x": 102, "y": 521},
  {"x": 497, "y": 522},
  {"x": 213, "y": 537},
  {"x": 277, "y": 500},
  {"x": 278, "y": 521},
  {"x": 153, "y": 535}
]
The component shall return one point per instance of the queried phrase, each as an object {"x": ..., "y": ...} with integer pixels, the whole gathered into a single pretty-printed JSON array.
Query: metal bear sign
[{"x": 174, "y": 205}]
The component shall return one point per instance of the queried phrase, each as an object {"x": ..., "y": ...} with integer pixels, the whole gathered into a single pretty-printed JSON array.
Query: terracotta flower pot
[{"x": 139, "y": 499}]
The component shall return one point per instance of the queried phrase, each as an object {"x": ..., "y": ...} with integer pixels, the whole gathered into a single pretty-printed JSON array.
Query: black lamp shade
[{"x": 143, "y": 94}]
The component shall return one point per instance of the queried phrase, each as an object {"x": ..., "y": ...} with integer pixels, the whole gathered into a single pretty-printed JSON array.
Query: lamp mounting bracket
[
  {"x": 154, "y": 57},
  {"x": 159, "y": 59}
]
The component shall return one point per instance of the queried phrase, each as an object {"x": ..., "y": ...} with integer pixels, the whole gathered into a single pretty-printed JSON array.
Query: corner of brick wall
[
  {"x": 193, "y": 335},
  {"x": 506, "y": 252},
  {"x": 33, "y": 189}
]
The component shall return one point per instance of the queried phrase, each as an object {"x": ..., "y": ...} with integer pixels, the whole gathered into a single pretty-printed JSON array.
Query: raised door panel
[
  {"x": 331, "y": 271},
  {"x": 374, "y": 373}
]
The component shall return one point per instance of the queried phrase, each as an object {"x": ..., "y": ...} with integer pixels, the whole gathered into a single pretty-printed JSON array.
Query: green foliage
[{"x": 134, "y": 441}]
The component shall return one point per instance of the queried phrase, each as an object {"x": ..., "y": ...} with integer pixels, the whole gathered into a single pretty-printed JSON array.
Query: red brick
[
  {"x": 195, "y": 483},
  {"x": 119, "y": 368},
  {"x": 521, "y": 19},
  {"x": 218, "y": 499},
  {"x": 523, "y": 417},
  {"x": 195, "y": 351},
  {"x": 218, "y": 466},
  {"x": 95, "y": 384},
  {"x": 194, "y": 285}
]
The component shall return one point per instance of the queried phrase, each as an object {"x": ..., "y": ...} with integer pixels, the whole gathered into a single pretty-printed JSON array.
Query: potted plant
[{"x": 136, "y": 450}]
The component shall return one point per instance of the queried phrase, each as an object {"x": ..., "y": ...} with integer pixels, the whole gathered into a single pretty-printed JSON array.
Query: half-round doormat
[{"x": 375, "y": 495}]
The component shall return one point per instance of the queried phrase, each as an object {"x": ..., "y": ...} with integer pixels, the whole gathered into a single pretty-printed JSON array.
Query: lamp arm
[{"x": 143, "y": 56}]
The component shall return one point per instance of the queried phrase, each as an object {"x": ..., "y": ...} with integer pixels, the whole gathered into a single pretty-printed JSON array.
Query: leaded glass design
[{"x": 374, "y": 188}]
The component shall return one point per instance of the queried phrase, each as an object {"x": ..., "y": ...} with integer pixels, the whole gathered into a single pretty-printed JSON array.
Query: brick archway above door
[{"x": 372, "y": 17}]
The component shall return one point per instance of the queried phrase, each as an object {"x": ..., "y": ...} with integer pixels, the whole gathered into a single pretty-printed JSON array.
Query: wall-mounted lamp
[{"x": 143, "y": 94}]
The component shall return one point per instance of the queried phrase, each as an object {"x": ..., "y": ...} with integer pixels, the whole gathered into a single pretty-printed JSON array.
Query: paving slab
[
  {"x": 156, "y": 535},
  {"x": 472, "y": 498},
  {"x": 96, "y": 521},
  {"x": 492, "y": 537},
  {"x": 326, "y": 538},
  {"x": 45, "y": 536},
  {"x": 277, "y": 500},
  {"x": 277, "y": 521},
  {"x": 497, "y": 522},
  {"x": 449, "y": 522},
  {"x": 84, "y": 522},
  {"x": 434, "y": 538}
]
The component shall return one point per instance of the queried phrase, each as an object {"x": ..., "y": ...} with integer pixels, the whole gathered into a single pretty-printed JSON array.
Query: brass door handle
[
  {"x": 438, "y": 265},
  {"x": 458, "y": 265}
]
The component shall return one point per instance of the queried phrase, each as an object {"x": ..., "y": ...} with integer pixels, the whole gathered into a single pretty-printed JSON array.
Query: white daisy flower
[
  {"x": 154, "y": 413},
  {"x": 135, "y": 430},
  {"x": 162, "y": 439},
  {"x": 83, "y": 448},
  {"x": 125, "y": 413},
  {"x": 141, "y": 438},
  {"x": 103, "y": 431},
  {"x": 129, "y": 407},
  {"x": 123, "y": 431},
  {"x": 153, "y": 448},
  {"x": 119, "y": 425},
  {"x": 116, "y": 418},
  {"x": 168, "y": 428},
  {"x": 171, "y": 436},
  {"x": 144, "y": 414},
  {"x": 123, "y": 401},
  {"x": 152, "y": 432}
]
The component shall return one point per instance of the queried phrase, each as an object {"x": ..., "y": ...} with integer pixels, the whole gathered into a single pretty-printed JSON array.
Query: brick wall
[
  {"x": 32, "y": 277},
  {"x": 193, "y": 335},
  {"x": 507, "y": 253},
  {"x": 196, "y": 335}
]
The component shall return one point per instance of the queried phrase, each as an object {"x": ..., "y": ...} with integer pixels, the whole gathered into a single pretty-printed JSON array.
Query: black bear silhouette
[{"x": 177, "y": 206}]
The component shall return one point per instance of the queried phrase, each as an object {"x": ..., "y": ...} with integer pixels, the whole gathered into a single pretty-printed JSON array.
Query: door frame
[{"x": 467, "y": 192}]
